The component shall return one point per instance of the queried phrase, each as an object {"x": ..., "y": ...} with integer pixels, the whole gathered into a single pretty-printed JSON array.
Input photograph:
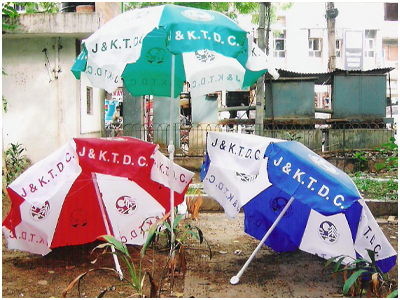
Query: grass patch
[{"x": 380, "y": 190}]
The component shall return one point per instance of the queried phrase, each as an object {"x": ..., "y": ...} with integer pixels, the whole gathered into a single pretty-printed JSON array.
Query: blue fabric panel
[
  {"x": 353, "y": 216},
  {"x": 204, "y": 167},
  {"x": 387, "y": 264},
  {"x": 263, "y": 210},
  {"x": 309, "y": 178}
]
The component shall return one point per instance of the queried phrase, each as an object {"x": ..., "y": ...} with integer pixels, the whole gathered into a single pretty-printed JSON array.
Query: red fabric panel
[
  {"x": 80, "y": 220},
  {"x": 14, "y": 216},
  {"x": 124, "y": 157}
]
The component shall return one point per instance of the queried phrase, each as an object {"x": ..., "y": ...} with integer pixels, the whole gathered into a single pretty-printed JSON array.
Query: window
[
  {"x": 391, "y": 12},
  {"x": 89, "y": 100},
  {"x": 314, "y": 47},
  {"x": 369, "y": 47},
  {"x": 338, "y": 48},
  {"x": 390, "y": 51},
  {"x": 279, "y": 44}
]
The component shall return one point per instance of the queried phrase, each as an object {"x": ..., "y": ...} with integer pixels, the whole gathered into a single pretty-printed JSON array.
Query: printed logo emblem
[
  {"x": 156, "y": 56},
  {"x": 126, "y": 205},
  {"x": 328, "y": 232},
  {"x": 40, "y": 213},
  {"x": 278, "y": 204},
  {"x": 197, "y": 15},
  {"x": 205, "y": 56},
  {"x": 245, "y": 178},
  {"x": 322, "y": 163}
]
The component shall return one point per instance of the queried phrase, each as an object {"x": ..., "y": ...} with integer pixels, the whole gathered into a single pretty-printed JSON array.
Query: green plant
[
  {"x": 15, "y": 162},
  {"x": 11, "y": 14},
  {"x": 40, "y": 7},
  {"x": 361, "y": 159},
  {"x": 292, "y": 136},
  {"x": 380, "y": 190},
  {"x": 365, "y": 276},
  {"x": 389, "y": 151},
  {"x": 379, "y": 167},
  {"x": 136, "y": 275},
  {"x": 183, "y": 233},
  {"x": 394, "y": 294}
]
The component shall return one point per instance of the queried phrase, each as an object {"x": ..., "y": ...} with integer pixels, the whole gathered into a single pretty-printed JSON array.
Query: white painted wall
[
  {"x": 42, "y": 114},
  {"x": 90, "y": 124},
  {"x": 352, "y": 15}
]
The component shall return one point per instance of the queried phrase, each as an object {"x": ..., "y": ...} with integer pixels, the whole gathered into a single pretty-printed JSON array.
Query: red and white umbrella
[{"x": 88, "y": 188}]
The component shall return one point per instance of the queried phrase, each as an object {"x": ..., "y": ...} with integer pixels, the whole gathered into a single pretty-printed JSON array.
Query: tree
[
  {"x": 230, "y": 9},
  {"x": 10, "y": 14}
]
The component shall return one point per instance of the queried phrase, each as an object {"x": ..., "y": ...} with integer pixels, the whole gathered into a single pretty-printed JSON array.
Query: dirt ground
[{"x": 269, "y": 275}]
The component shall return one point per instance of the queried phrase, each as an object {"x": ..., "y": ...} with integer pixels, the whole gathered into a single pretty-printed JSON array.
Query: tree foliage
[
  {"x": 10, "y": 14},
  {"x": 230, "y": 9},
  {"x": 40, "y": 7}
]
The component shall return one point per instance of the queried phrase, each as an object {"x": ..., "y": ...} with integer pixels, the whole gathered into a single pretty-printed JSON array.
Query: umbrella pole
[
  {"x": 171, "y": 150},
  {"x": 235, "y": 279},
  {"x": 103, "y": 213}
]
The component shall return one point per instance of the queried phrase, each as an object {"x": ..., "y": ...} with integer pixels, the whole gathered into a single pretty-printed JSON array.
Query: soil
[{"x": 270, "y": 274}]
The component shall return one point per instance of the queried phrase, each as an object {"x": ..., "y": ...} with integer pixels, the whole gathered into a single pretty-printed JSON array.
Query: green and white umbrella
[{"x": 152, "y": 51}]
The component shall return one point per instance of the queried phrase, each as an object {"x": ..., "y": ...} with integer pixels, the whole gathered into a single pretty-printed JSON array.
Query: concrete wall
[
  {"x": 352, "y": 15},
  {"x": 43, "y": 112}
]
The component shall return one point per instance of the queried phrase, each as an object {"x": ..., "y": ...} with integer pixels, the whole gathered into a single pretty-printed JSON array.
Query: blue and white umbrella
[{"x": 292, "y": 199}]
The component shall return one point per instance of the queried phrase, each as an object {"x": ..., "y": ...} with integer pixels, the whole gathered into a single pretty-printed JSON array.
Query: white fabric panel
[
  {"x": 240, "y": 152},
  {"x": 38, "y": 224},
  {"x": 328, "y": 236},
  {"x": 370, "y": 236},
  {"x": 160, "y": 173},
  {"x": 258, "y": 60},
  {"x": 232, "y": 190},
  {"x": 43, "y": 180},
  {"x": 208, "y": 71},
  {"x": 122, "y": 35},
  {"x": 131, "y": 209}
]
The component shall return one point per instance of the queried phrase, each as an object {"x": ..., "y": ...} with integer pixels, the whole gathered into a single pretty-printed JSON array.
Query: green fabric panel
[
  {"x": 151, "y": 74},
  {"x": 192, "y": 29},
  {"x": 80, "y": 64}
]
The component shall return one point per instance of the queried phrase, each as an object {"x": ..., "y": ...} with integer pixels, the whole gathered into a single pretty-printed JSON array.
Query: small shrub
[
  {"x": 389, "y": 151},
  {"x": 365, "y": 277},
  {"x": 15, "y": 162},
  {"x": 361, "y": 160}
]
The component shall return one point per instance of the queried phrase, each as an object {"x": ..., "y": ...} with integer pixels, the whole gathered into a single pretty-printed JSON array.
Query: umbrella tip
[{"x": 234, "y": 280}]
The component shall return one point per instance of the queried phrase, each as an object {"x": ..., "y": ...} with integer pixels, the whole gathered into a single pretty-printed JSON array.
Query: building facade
[
  {"x": 366, "y": 37},
  {"x": 46, "y": 105}
]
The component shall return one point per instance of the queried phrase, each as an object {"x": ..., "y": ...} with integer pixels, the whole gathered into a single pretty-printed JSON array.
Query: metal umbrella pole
[
  {"x": 171, "y": 150},
  {"x": 235, "y": 279}
]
